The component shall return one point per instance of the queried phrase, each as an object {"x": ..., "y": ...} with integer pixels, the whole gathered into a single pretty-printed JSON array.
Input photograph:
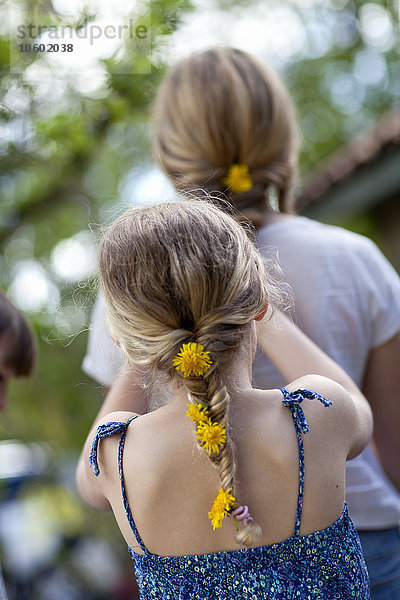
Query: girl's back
[
  {"x": 169, "y": 480},
  {"x": 167, "y": 485},
  {"x": 184, "y": 287}
]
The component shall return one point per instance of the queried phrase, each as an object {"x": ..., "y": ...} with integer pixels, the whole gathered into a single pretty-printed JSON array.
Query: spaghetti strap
[
  {"x": 102, "y": 432},
  {"x": 292, "y": 400}
]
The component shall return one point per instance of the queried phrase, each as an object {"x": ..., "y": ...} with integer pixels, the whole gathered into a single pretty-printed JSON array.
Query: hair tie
[
  {"x": 238, "y": 179},
  {"x": 192, "y": 360},
  {"x": 241, "y": 513}
]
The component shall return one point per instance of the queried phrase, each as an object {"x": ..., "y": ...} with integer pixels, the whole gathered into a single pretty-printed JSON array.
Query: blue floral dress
[{"x": 324, "y": 565}]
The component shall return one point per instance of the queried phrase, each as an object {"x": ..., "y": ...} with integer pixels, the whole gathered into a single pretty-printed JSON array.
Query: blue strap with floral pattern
[
  {"x": 293, "y": 400},
  {"x": 102, "y": 432}
]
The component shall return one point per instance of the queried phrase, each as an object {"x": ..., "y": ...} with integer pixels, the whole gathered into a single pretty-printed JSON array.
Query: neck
[
  {"x": 274, "y": 217},
  {"x": 235, "y": 373}
]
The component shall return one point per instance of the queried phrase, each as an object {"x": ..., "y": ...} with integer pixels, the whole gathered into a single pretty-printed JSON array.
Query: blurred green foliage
[
  {"x": 58, "y": 402},
  {"x": 62, "y": 164},
  {"x": 326, "y": 122},
  {"x": 60, "y": 170}
]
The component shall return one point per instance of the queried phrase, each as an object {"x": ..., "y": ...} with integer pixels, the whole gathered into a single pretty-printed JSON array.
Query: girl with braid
[
  {"x": 228, "y": 491},
  {"x": 224, "y": 124}
]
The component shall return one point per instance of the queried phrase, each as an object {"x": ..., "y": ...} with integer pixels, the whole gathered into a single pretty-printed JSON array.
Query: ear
[
  {"x": 116, "y": 342},
  {"x": 261, "y": 314}
]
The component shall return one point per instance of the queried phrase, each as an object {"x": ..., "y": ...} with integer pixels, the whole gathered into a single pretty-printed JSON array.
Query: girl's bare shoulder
[
  {"x": 334, "y": 420},
  {"x": 337, "y": 422},
  {"x": 97, "y": 462}
]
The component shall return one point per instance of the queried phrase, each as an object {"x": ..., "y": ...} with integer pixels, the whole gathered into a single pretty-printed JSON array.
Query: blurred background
[{"x": 75, "y": 137}]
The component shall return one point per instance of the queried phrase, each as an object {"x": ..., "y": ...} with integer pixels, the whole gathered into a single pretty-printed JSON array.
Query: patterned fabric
[{"x": 324, "y": 565}]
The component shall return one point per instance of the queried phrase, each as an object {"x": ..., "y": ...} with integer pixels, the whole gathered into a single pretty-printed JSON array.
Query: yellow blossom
[
  {"x": 197, "y": 412},
  {"x": 211, "y": 435},
  {"x": 191, "y": 360},
  {"x": 238, "y": 179},
  {"x": 223, "y": 503}
]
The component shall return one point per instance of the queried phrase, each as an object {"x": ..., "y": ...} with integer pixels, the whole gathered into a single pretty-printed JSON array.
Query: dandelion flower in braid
[{"x": 211, "y": 423}]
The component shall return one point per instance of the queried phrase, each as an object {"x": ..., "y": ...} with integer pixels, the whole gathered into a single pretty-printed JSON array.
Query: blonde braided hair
[{"x": 183, "y": 272}]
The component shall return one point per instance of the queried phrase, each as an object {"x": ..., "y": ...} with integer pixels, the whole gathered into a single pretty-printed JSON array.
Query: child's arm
[
  {"x": 295, "y": 356},
  {"x": 94, "y": 489},
  {"x": 382, "y": 390}
]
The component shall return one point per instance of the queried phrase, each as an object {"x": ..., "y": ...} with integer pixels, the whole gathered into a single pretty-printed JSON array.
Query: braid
[
  {"x": 211, "y": 391},
  {"x": 216, "y": 398}
]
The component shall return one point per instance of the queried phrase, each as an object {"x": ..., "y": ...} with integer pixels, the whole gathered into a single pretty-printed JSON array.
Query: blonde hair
[
  {"x": 222, "y": 107},
  {"x": 178, "y": 273}
]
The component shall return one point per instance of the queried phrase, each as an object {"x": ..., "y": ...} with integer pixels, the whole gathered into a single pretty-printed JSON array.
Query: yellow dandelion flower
[
  {"x": 191, "y": 360},
  {"x": 238, "y": 179},
  {"x": 197, "y": 412},
  {"x": 211, "y": 435},
  {"x": 223, "y": 503}
]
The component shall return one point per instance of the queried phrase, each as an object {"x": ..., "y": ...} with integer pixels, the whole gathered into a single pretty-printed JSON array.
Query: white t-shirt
[
  {"x": 347, "y": 299},
  {"x": 103, "y": 360}
]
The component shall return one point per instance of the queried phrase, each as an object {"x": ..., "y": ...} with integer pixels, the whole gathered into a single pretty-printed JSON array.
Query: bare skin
[
  {"x": 379, "y": 387},
  {"x": 171, "y": 484},
  {"x": 382, "y": 390}
]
